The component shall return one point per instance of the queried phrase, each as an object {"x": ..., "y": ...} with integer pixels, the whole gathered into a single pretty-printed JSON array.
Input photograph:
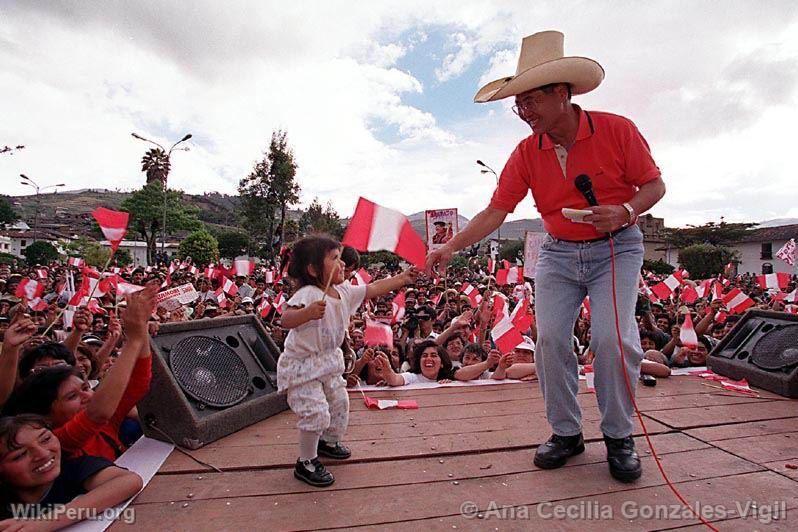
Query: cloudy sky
[{"x": 376, "y": 97}]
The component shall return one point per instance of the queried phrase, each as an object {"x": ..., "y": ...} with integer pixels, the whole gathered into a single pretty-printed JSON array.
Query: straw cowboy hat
[{"x": 542, "y": 62}]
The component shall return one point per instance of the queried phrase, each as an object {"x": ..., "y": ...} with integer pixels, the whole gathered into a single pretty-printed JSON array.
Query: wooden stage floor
[{"x": 422, "y": 468}]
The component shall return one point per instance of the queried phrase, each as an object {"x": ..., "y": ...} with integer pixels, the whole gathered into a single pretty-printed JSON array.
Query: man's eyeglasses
[{"x": 527, "y": 105}]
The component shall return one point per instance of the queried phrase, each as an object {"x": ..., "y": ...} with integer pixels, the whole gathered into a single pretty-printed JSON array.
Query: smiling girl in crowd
[{"x": 430, "y": 364}]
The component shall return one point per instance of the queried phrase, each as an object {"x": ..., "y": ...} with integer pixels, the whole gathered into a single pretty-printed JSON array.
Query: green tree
[
  {"x": 658, "y": 266},
  {"x": 146, "y": 207},
  {"x": 201, "y": 246},
  {"x": 7, "y": 214},
  {"x": 7, "y": 258},
  {"x": 509, "y": 250},
  {"x": 716, "y": 234},
  {"x": 267, "y": 192},
  {"x": 705, "y": 260},
  {"x": 318, "y": 219},
  {"x": 40, "y": 252},
  {"x": 232, "y": 244}
]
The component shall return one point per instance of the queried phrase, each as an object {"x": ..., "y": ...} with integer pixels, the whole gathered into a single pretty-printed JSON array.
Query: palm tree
[{"x": 156, "y": 164}]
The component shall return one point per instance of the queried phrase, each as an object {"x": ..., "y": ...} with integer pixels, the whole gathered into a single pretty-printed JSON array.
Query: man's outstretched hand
[{"x": 438, "y": 259}]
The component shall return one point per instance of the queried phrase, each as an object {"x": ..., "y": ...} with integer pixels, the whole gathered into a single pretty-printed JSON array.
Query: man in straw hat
[{"x": 568, "y": 142}]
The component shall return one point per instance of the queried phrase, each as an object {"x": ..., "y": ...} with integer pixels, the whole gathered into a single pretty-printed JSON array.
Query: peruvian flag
[
  {"x": 717, "y": 291},
  {"x": 736, "y": 301},
  {"x": 506, "y": 264},
  {"x": 398, "y": 308},
  {"x": 113, "y": 225},
  {"x": 687, "y": 332},
  {"x": 505, "y": 335},
  {"x": 645, "y": 290},
  {"x": 472, "y": 293},
  {"x": 792, "y": 297},
  {"x": 664, "y": 289},
  {"x": 76, "y": 262},
  {"x": 773, "y": 280},
  {"x": 211, "y": 271},
  {"x": 264, "y": 308},
  {"x": 703, "y": 289},
  {"x": 37, "y": 304},
  {"x": 500, "y": 306},
  {"x": 279, "y": 301},
  {"x": 374, "y": 228},
  {"x": 244, "y": 267},
  {"x": 42, "y": 273},
  {"x": 93, "y": 286},
  {"x": 377, "y": 333},
  {"x": 123, "y": 288},
  {"x": 689, "y": 294},
  {"x": 513, "y": 275},
  {"x": 720, "y": 317},
  {"x": 229, "y": 287},
  {"x": 193, "y": 270},
  {"x": 221, "y": 298},
  {"x": 491, "y": 266},
  {"x": 586, "y": 308},
  {"x": 361, "y": 277},
  {"x": 521, "y": 317},
  {"x": 29, "y": 289}
]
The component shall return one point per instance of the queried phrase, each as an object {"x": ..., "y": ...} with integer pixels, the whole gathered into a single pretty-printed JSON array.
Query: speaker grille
[
  {"x": 777, "y": 349},
  {"x": 209, "y": 371}
]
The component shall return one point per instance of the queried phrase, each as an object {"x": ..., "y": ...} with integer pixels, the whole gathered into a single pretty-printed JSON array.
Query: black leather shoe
[
  {"x": 624, "y": 462},
  {"x": 337, "y": 450},
  {"x": 314, "y": 473},
  {"x": 555, "y": 452}
]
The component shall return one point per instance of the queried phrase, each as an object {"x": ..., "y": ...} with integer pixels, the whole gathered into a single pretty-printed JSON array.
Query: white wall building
[
  {"x": 757, "y": 251},
  {"x": 138, "y": 249}
]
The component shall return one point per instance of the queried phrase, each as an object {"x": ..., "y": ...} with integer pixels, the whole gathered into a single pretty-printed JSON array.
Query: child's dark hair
[
  {"x": 11, "y": 425},
  {"x": 54, "y": 350},
  {"x": 310, "y": 251},
  {"x": 39, "y": 390},
  {"x": 350, "y": 256}
]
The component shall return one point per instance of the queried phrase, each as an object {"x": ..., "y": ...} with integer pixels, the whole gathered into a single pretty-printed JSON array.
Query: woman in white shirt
[{"x": 430, "y": 364}]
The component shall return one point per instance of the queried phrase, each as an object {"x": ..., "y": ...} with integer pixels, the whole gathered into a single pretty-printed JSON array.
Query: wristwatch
[{"x": 632, "y": 214}]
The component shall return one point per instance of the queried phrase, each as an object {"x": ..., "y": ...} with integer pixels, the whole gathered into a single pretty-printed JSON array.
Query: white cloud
[{"x": 716, "y": 101}]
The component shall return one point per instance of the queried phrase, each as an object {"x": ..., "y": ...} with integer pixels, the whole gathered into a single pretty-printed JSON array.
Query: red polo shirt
[{"x": 608, "y": 148}]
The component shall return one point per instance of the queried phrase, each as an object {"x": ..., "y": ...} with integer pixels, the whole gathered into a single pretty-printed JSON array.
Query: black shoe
[
  {"x": 336, "y": 450},
  {"x": 318, "y": 476},
  {"x": 624, "y": 462},
  {"x": 555, "y": 452}
]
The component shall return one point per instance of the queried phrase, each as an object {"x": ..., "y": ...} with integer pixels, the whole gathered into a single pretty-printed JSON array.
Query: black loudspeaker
[
  {"x": 762, "y": 348},
  {"x": 210, "y": 378}
]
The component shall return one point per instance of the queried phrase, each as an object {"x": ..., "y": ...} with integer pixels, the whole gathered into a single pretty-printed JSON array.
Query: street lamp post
[
  {"x": 488, "y": 170},
  {"x": 31, "y": 183},
  {"x": 168, "y": 167}
]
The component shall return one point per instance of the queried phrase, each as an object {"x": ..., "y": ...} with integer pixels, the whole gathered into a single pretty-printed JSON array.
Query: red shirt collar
[{"x": 584, "y": 131}]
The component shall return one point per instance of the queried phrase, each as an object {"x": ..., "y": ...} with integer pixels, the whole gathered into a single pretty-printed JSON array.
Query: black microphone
[{"x": 585, "y": 186}]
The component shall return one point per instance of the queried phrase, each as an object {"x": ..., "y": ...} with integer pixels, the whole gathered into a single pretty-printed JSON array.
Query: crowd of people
[{"x": 71, "y": 374}]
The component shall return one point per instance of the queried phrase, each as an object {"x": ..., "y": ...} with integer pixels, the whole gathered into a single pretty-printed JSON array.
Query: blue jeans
[{"x": 566, "y": 273}]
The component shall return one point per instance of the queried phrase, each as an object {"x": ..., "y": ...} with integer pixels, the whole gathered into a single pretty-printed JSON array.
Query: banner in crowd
[
  {"x": 174, "y": 297},
  {"x": 441, "y": 227},
  {"x": 532, "y": 243}
]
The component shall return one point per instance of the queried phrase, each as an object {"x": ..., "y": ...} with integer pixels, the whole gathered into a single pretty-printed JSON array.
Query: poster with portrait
[
  {"x": 441, "y": 227},
  {"x": 532, "y": 242}
]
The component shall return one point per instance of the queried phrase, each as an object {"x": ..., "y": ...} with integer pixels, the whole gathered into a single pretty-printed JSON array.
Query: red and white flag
[
  {"x": 377, "y": 333},
  {"x": 500, "y": 306},
  {"x": 123, "y": 288},
  {"x": 244, "y": 267},
  {"x": 792, "y": 297},
  {"x": 736, "y": 301},
  {"x": 717, "y": 291},
  {"x": 585, "y": 312},
  {"x": 229, "y": 287},
  {"x": 42, "y": 273},
  {"x": 720, "y": 317},
  {"x": 664, "y": 289},
  {"x": 522, "y": 316},
  {"x": 687, "y": 333},
  {"x": 513, "y": 275},
  {"x": 29, "y": 289},
  {"x": 264, "y": 308},
  {"x": 472, "y": 293},
  {"x": 113, "y": 224},
  {"x": 37, "y": 304},
  {"x": 505, "y": 335},
  {"x": 688, "y": 294},
  {"x": 788, "y": 252},
  {"x": 491, "y": 266},
  {"x": 361, "y": 277},
  {"x": 279, "y": 301},
  {"x": 703, "y": 288},
  {"x": 77, "y": 262},
  {"x": 778, "y": 281},
  {"x": 398, "y": 308},
  {"x": 374, "y": 228},
  {"x": 221, "y": 297}
]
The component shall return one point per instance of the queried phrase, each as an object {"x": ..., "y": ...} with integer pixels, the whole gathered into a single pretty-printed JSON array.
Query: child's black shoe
[
  {"x": 336, "y": 450},
  {"x": 314, "y": 473}
]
